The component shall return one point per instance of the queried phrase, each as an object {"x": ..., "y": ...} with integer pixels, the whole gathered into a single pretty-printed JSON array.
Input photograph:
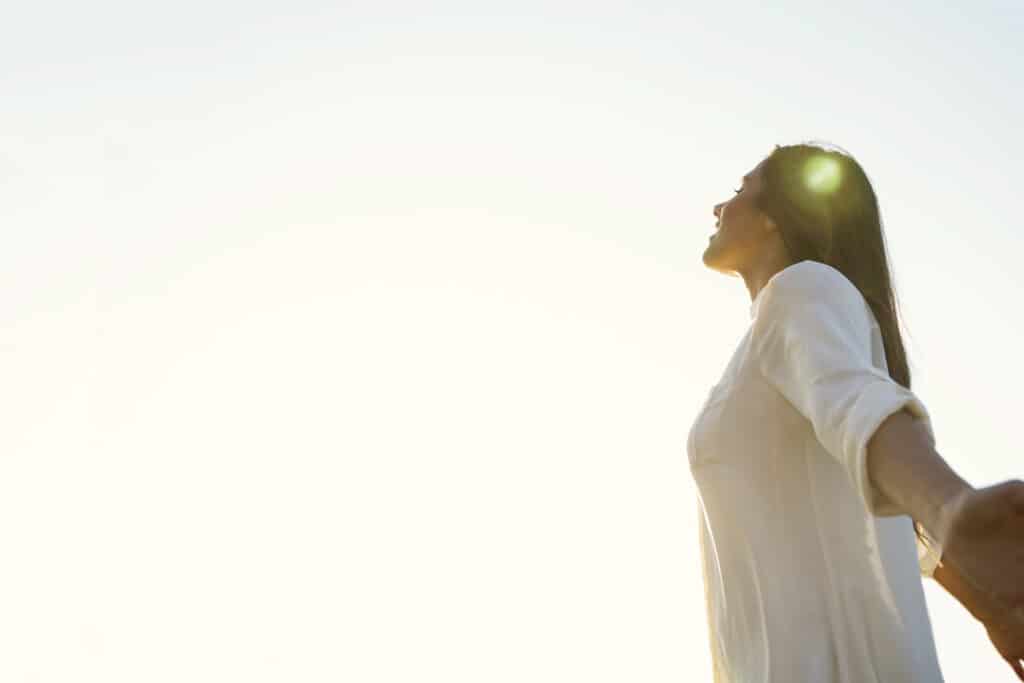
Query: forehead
[{"x": 754, "y": 174}]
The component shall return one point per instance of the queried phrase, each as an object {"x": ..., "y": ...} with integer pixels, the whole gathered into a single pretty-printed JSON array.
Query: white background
[{"x": 360, "y": 341}]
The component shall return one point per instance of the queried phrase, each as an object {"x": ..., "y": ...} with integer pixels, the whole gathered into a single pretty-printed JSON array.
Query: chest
[{"x": 744, "y": 421}]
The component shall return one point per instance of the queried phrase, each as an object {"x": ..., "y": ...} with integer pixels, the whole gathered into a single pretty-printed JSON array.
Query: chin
[
  {"x": 714, "y": 264},
  {"x": 709, "y": 258}
]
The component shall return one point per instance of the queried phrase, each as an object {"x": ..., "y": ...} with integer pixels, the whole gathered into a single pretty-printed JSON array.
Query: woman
[{"x": 812, "y": 456}]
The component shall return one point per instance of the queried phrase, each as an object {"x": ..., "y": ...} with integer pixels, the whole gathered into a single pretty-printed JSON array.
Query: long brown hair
[
  {"x": 826, "y": 211},
  {"x": 834, "y": 218}
]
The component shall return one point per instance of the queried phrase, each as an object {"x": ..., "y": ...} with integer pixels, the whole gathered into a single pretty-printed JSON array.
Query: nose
[{"x": 717, "y": 210}]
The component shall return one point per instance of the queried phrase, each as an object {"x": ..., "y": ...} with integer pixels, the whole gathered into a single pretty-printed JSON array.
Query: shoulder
[
  {"x": 809, "y": 279},
  {"x": 811, "y": 282},
  {"x": 813, "y": 285}
]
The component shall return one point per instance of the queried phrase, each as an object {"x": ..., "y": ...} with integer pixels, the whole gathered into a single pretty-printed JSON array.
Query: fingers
[
  {"x": 1018, "y": 495},
  {"x": 1011, "y": 491},
  {"x": 1017, "y": 668}
]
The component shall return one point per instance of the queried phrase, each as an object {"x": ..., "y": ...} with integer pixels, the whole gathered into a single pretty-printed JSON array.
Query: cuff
[
  {"x": 878, "y": 401},
  {"x": 929, "y": 553}
]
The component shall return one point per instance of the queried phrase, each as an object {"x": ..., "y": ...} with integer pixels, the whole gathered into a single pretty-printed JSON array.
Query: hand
[
  {"x": 1006, "y": 631},
  {"x": 985, "y": 543},
  {"x": 1005, "y": 628}
]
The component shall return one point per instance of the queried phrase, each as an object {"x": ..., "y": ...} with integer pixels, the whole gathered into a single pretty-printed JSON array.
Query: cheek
[
  {"x": 743, "y": 218},
  {"x": 737, "y": 213}
]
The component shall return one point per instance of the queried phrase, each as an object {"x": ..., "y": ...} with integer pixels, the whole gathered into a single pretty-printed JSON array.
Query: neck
[{"x": 757, "y": 276}]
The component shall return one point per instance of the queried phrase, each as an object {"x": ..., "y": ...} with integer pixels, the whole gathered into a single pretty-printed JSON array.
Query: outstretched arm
[
  {"x": 904, "y": 465},
  {"x": 981, "y": 530}
]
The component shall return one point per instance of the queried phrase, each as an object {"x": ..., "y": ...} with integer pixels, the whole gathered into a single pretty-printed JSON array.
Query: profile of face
[{"x": 745, "y": 236}]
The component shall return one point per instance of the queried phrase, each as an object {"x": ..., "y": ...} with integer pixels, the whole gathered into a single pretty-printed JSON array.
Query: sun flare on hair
[{"x": 822, "y": 174}]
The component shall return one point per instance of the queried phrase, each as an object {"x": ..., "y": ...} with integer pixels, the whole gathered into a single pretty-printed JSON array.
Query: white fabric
[{"x": 811, "y": 575}]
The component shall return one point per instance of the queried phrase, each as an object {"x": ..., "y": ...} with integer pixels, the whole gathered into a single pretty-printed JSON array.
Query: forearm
[{"x": 904, "y": 465}]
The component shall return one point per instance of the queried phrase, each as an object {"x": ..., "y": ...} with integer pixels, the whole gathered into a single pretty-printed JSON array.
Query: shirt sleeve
[{"x": 812, "y": 337}]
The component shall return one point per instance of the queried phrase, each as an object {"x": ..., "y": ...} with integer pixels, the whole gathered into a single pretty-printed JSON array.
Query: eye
[{"x": 737, "y": 191}]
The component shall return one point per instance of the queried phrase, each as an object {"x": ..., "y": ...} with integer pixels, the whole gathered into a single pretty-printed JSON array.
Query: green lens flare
[{"x": 822, "y": 174}]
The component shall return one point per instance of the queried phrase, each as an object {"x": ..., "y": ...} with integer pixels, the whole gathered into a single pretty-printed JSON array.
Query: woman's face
[{"x": 741, "y": 238}]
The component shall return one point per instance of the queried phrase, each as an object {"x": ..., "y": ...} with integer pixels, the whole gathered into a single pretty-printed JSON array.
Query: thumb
[
  {"x": 1017, "y": 495},
  {"x": 979, "y": 509},
  {"x": 1017, "y": 668},
  {"x": 1010, "y": 493}
]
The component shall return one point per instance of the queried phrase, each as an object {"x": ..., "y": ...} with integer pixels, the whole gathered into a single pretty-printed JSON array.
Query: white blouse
[{"x": 811, "y": 575}]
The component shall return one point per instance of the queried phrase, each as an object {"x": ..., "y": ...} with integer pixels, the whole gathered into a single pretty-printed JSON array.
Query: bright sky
[{"x": 361, "y": 341}]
